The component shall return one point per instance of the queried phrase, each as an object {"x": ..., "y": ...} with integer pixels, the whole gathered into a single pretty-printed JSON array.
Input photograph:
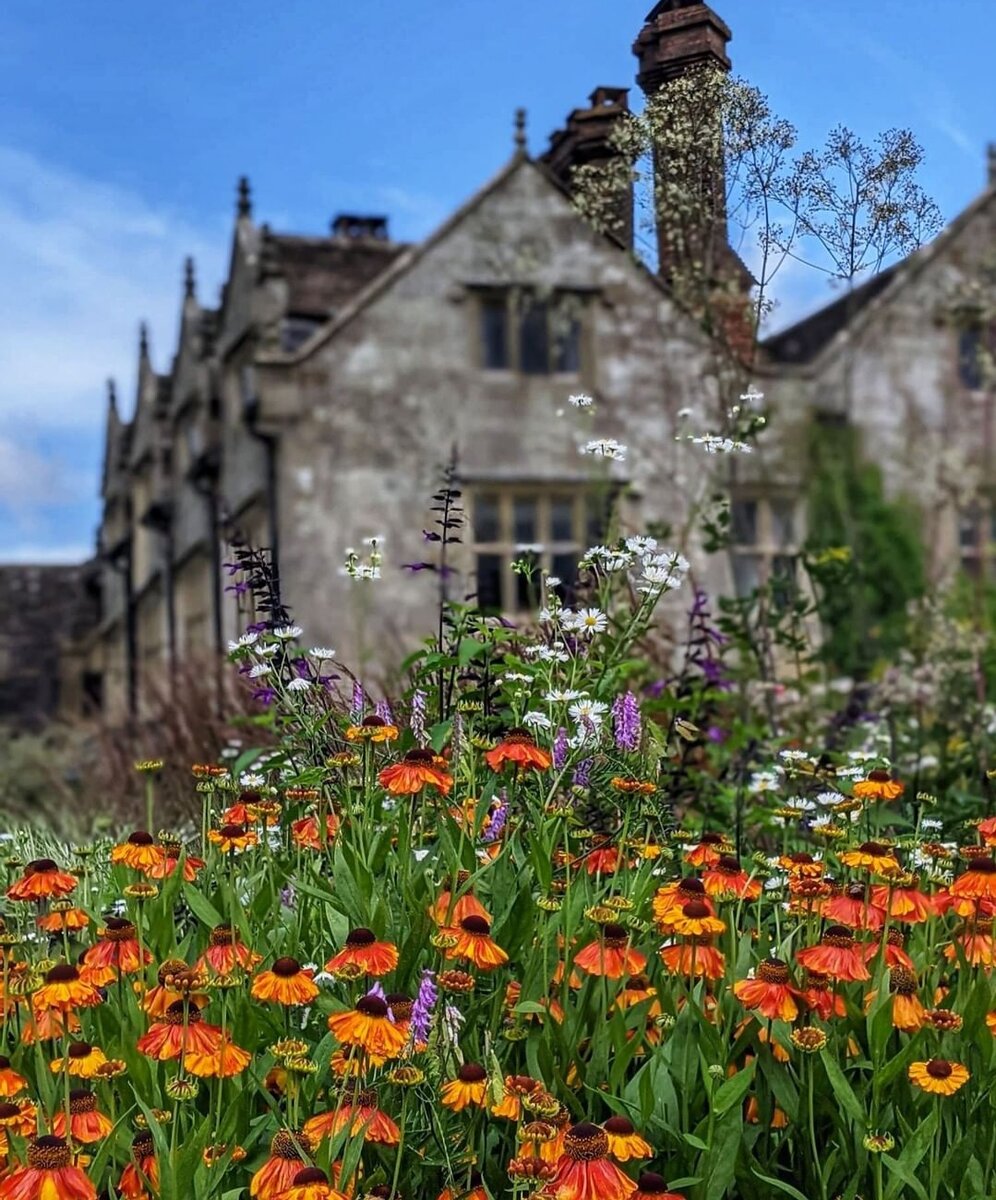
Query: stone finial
[
  {"x": 243, "y": 205},
  {"x": 189, "y": 279},
  {"x": 143, "y": 340},
  {"x": 992, "y": 164},
  {"x": 520, "y": 131},
  {"x": 112, "y": 396}
]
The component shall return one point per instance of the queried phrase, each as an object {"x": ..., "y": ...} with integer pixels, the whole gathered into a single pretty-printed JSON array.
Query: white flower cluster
[
  {"x": 580, "y": 400},
  {"x": 356, "y": 568},
  {"x": 714, "y": 443},
  {"x": 586, "y": 621},
  {"x": 605, "y": 448}
]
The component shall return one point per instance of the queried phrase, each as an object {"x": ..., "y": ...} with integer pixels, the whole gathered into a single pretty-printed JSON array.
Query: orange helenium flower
[
  {"x": 878, "y": 786},
  {"x": 469, "y": 1087},
  {"x": 139, "y": 852},
  {"x": 519, "y": 747},
  {"x": 585, "y": 1171},
  {"x": 286, "y": 1161},
  {"x": 142, "y": 1173},
  {"x": 938, "y": 1076},
  {"x": 358, "y": 1112},
  {"x": 232, "y": 837},
  {"x": 872, "y": 856},
  {"x": 836, "y": 956},
  {"x": 82, "y": 1060},
  {"x": 285, "y": 983},
  {"x": 977, "y": 883},
  {"x": 117, "y": 949},
  {"x": 364, "y": 951},
  {"x": 306, "y": 831},
  {"x": 853, "y": 908},
  {"x": 311, "y": 1183},
  {"x": 369, "y": 1025},
  {"x": 727, "y": 878},
  {"x": 624, "y": 1142},
  {"x": 611, "y": 955},
  {"x": 65, "y": 990},
  {"x": 86, "y": 1124},
  {"x": 42, "y": 880},
  {"x": 49, "y": 1175},
  {"x": 651, "y": 1186},
  {"x": 11, "y": 1082},
  {"x": 182, "y": 1032},
  {"x": 227, "y": 951},
  {"x": 770, "y": 992},
  {"x": 474, "y": 942},
  {"x": 418, "y": 769},
  {"x": 695, "y": 956}
]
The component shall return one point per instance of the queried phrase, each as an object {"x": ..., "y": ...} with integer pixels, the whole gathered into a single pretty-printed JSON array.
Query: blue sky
[{"x": 123, "y": 127}]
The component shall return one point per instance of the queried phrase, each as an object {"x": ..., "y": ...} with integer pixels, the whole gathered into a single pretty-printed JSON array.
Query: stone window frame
[
  {"x": 976, "y": 542},
  {"x": 509, "y": 294},
  {"x": 518, "y": 595},
  {"x": 765, "y": 538}
]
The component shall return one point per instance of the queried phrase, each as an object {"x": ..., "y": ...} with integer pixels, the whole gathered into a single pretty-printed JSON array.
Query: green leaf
[
  {"x": 201, "y": 907},
  {"x": 732, "y": 1091},
  {"x": 842, "y": 1090},
  {"x": 904, "y": 1175},
  {"x": 913, "y": 1153},
  {"x": 779, "y": 1185}
]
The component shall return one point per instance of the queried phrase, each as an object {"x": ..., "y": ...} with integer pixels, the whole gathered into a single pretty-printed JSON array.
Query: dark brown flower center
[
  {"x": 143, "y": 1145},
  {"x": 222, "y": 935},
  {"x": 290, "y": 1145},
  {"x": 696, "y": 910},
  {"x": 140, "y": 838},
  {"x": 371, "y": 1006},
  {"x": 82, "y": 1101},
  {"x": 939, "y": 1068},
  {"x": 400, "y": 1005},
  {"x": 476, "y": 925},
  {"x": 232, "y": 831},
  {"x": 773, "y": 971},
  {"x": 80, "y": 1050},
  {"x": 472, "y": 1073},
  {"x": 728, "y": 864},
  {"x": 360, "y": 937},
  {"x": 286, "y": 968},
  {"x": 620, "y": 1126},
  {"x": 984, "y": 865},
  {"x": 40, "y": 866},
  {"x": 49, "y": 1153},
  {"x": 308, "y": 1176},
  {"x": 420, "y": 757},
  {"x": 651, "y": 1185},
  {"x": 875, "y": 850},
  {"x": 176, "y": 1012},
  {"x": 62, "y": 973},
  {"x": 586, "y": 1142}
]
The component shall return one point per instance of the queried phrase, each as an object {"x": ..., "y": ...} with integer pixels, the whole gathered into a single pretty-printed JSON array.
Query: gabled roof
[
  {"x": 822, "y": 334},
  {"x": 117, "y": 442},
  {"x": 323, "y": 274},
  {"x": 800, "y": 343},
  {"x": 413, "y": 254}
]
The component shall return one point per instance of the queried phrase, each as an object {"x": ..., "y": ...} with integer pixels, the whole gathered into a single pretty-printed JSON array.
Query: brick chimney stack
[
  {"x": 586, "y": 139},
  {"x": 680, "y": 37}
]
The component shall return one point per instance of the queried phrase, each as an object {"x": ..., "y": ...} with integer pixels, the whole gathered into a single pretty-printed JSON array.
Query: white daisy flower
[
  {"x": 536, "y": 720},
  {"x": 260, "y": 669},
  {"x": 287, "y": 633},
  {"x": 590, "y": 621},
  {"x": 321, "y": 653},
  {"x": 580, "y": 400},
  {"x": 605, "y": 448},
  {"x": 299, "y": 685}
]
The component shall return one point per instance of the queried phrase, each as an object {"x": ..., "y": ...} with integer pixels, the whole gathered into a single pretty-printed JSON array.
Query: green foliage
[{"x": 863, "y": 553}]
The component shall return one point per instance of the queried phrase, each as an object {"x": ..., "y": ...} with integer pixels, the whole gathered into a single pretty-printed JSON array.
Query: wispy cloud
[{"x": 82, "y": 263}]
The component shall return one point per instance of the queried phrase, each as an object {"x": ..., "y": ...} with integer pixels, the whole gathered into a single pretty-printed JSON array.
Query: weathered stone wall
[{"x": 41, "y": 607}]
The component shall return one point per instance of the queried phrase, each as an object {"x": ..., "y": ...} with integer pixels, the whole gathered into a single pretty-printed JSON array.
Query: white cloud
[
  {"x": 46, "y": 553},
  {"x": 30, "y": 480},
  {"x": 82, "y": 263}
]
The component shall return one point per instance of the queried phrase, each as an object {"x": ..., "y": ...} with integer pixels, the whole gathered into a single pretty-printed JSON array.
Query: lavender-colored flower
[
  {"x": 498, "y": 819},
  {"x": 560, "y": 748},
  {"x": 265, "y": 695},
  {"x": 417, "y": 717},
  {"x": 383, "y": 710},
  {"x": 288, "y": 896},
  {"x": 424, "y": 1007},
  {"x": 582, "y": 773},
  {"x": 626, "y": 718},
  {"x": 379, "y": 992},
  {"x": 357, "y": 703}
]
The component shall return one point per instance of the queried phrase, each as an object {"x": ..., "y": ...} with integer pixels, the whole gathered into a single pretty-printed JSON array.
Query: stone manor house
[{"x": 316, "y": 404}]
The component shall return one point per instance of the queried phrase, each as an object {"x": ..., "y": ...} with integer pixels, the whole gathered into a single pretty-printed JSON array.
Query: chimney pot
[{"x": 355, "y": 227}]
